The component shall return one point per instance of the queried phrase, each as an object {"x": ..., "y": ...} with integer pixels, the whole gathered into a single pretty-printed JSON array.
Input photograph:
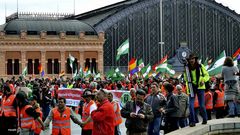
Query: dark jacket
[
  {"x": 137, "y": 125},
  {"x": 156, "y": 101},
  {"x": 172, "y": 108}
]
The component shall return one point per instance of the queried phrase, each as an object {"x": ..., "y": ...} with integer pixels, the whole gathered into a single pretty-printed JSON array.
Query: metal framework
[{"x": 207, "y": 27}]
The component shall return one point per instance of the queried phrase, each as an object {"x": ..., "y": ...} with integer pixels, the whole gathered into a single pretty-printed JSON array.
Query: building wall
[
  {"x": 43, "y": 48},
  {"x": 207, "y": 27}
]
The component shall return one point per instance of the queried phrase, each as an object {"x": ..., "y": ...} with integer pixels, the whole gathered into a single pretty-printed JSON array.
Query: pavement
[{"x": 76, "y": 129}]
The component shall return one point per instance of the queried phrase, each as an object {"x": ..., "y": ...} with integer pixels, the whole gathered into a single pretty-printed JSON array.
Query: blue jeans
[
  {"x": 201, "y": 101},
  {"x": 183, "y": 122},
  {"x": 234, "y": 108},
  {"x": 154, "y": 126}
]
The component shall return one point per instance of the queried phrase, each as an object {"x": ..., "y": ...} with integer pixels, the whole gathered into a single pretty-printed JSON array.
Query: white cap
[{"x": 179, "y": 87}]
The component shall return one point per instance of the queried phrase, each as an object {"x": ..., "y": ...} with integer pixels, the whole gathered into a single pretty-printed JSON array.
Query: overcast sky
[{"x": 67, "y": 6}]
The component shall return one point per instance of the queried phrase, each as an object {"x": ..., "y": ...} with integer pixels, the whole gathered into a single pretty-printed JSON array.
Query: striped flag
[
  {"x": 216, "y": 68},
  {"x": 165, "y": 68},
  {"x": 236, "y": 53},
  {"x": 140, "y": 64},
  {"x": 145, "y": 71},
  {"x": 133, "y": 66},
  {"x": 24, "y": 72},
  {"x": 164, "y": 59},
  {"x": 41, "y": 71},
  {"x": 123, "y": 49},
  {"x": 71, "y": 60},
  {"x": 62, "y": 73}
]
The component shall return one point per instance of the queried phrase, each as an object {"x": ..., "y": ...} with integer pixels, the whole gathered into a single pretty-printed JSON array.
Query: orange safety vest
[
  {"x": 220, "y": 99},
  {"x": 7, "y": 107},
  {"x": 61, "y": 123},
  {"x": 86, "y": 114},
  {"x": 208, "y": 100},
  {"x": 38, "y": 125},
  {"x": 118, "y": 118},
  {"x": 26, "y": 121},
  {"x": 196, "y": 104}
]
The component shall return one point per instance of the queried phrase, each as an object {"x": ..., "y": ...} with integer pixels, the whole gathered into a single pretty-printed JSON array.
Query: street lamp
[{"x": 161, "y": 28}]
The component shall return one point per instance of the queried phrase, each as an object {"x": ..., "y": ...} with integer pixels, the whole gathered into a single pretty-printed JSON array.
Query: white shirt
[
  {"x": 137, "y": 109},
  {"x": 93, "y": 107}
]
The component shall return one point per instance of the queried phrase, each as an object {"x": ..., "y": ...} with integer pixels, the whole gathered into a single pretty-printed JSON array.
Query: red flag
[
  {"x": 236, "y": 53},
  {"x": 163, "y": 60}
]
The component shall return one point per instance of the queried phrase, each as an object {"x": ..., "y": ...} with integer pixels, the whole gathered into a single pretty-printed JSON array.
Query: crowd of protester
[{"x": 29, "y": 105}]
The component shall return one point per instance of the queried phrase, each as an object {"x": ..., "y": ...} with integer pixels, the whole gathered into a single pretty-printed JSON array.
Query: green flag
[
  {"x": 165, "y": 68},
  {"x": 145, "y": 71},
  {"x": 216, "y": 67},
  {"x": 71, "y": 60},
  {"x": 140, "y": 64},
  {"x": 24, "y": 72},
  {"x": 123, "y": 49}
]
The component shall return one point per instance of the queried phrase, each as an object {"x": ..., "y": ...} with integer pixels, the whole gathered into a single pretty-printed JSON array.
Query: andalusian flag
[
  {"x": 145, "y": 71},
  {"x": 75, "y": 73},
  {"x": 123, "y": 49},
  {"x": 71, "y": 60},
  {"x": 24, "y": 72},
  {"x": 140, "y": 64},
  {"x": 216, "y": 67},
  {"x": 165, "y": 68}
]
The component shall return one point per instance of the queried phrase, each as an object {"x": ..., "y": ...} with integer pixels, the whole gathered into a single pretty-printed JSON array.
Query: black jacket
[
  {"x": 137, "y": 125},
  {"x": 172, "y": 108}
]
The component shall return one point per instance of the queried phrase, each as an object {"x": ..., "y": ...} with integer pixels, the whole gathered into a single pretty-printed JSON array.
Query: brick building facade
[{"x": 29, "y": 43}]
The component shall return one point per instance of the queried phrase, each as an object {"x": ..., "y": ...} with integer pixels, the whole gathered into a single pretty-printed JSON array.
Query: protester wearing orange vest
[
  {"x": 88, "y": 107},
  {"x": 26, "y": 115},
  {"x": 218, "y": 102},
  {"x": 35, "y": 105},
  {"x": 118, "y": 117},
  {"x": 103, "y": 117},
  {"x": 196, "y": 109},
  {"x": 8, "y": 112},
  {"x": 208, "y": 103},
  {"x": 60, "y": 117}
]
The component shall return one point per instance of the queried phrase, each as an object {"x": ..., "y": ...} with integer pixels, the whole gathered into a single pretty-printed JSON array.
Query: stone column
[
  {"x": 62, "y": 61},
  {"x": 43, "y": 60},
  {"x": 100, "y": 61},
  {"x": 33, "y": 62},
  {"x": 81, "y": 59},
  {"x": 3, "y": 65},
  {"x": 52, "y": 66},
  {"x": 23, "y": 60},
  {"x": 13, "y": 66}
]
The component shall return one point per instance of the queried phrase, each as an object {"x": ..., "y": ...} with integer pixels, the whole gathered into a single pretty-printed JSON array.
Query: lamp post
[{"x": 161, "y": 26}]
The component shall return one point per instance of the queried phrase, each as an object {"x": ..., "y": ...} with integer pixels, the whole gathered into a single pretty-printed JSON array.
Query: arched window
[
  {"x": 68, "y": 67},
  {"x": 16, "y": 67},
  {"x": 87, "y": 64},
  {"x": 9, "y": 67},
  {"x": 30, "y": 66},
  {"x": 56, "y": 66},
  {"x": 36, "y": 66},
  {"x": 49, "y": 66},
  {"x": 94, "y": 66},
  {"x": 75, "y": 65}
]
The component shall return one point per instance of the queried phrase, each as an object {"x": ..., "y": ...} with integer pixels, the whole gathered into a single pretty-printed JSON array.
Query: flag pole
[{"x": 128, "y": 58}]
